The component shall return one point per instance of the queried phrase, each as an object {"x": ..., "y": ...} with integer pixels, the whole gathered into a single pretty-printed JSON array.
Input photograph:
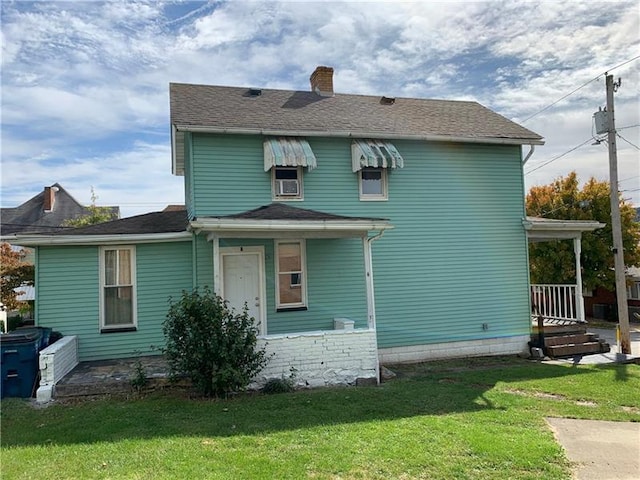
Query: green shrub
[
  {"x": 212, "y": 344},
  {"x": 282, "y": 384}
]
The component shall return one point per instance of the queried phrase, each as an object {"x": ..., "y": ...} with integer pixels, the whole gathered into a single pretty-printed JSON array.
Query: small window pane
[
  {"x": 286, "y": 173},
  {"x": 372, "y": 182},
  {"x": 124, "y": 271},
  {"x": 110, "y": 264},
  {"x": 288, "y": 293},
  {"x": 118, "y": 306},
  {"x": 289, "y": 259}
]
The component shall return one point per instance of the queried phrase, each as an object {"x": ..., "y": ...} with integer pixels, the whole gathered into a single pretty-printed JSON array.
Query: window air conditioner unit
[{"x": 287, "y": 187}]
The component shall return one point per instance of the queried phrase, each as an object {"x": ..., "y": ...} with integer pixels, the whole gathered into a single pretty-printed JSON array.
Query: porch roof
[
  {"x": 544, "y": 229},
  {"x": 281, "y": 220}
]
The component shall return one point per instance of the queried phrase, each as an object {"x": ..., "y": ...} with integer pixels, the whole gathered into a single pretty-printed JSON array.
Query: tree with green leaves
[
  {"x": 96, "y": 215},
  {"x": 554, "y": 261},
  {"x": 15, "y": 272}
]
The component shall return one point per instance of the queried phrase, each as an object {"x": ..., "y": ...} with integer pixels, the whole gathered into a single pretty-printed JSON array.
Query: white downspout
[
  {"x": 368, "y": 265},
  {"x": 526, "y": 159},
  {"x": 371, "y": 302}
]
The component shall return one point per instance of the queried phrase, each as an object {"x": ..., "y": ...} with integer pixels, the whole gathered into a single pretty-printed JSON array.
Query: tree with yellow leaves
[{"x": 553, "y": 262}]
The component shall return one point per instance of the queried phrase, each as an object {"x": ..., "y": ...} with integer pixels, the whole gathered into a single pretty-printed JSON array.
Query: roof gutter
[
  {"x": 244, "y": 225},
  {"x": 43, "y": 240},
  {"x": 349, "y": 134},
  {"x": 561, "y": 225}
]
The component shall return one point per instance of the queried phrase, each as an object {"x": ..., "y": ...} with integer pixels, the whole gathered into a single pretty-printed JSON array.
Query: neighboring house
[
  {"x": 44, "y": 213},
  {"x": 602, "y": 303},
  {"x": 355, "y": 228}
]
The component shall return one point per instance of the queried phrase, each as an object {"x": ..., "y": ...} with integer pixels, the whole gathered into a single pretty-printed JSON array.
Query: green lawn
[{"x": 465, "y": 419}]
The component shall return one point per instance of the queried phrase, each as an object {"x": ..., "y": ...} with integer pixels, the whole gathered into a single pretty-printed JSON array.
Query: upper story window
[
  {"x": 290, "y": 275},
  {"x": 117, "y": 289},
  {"x": 373, "y": 183},
  {"x": 372, "y": 159},
  {"x": 287, "y": 183},
  {"x": 287, "y": 157}
]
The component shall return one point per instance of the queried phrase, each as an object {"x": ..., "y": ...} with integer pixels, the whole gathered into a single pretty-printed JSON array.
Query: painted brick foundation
[
  {"x": 339, "y": 357},
  {"x": 436, "y": 351},
  {"x": 56, "y": 361}
]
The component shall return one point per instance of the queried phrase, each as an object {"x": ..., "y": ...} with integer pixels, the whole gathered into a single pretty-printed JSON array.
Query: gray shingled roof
[
  {"x": 281, "y": 211},
  {"x": 30, "y": 217},
  {"x": 155, "y": 222},
  {"x": 234, "y": 108},
  {"x": 174, "y": 221}
]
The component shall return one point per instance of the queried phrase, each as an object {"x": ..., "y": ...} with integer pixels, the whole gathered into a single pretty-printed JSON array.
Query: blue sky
[{"x": 85, "y": 84}]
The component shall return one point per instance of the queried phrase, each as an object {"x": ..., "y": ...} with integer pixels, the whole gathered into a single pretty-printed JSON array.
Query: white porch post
[
  {"x": 577, "y": 249},
  {"x": 216, "y": 263},
  {"x": 368, "y": 272}
]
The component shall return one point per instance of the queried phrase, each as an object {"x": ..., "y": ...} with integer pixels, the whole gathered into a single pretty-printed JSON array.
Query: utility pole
[{"x": 618, "y": 251}]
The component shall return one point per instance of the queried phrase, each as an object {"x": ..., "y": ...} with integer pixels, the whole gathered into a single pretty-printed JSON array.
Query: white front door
[{"x": 242, "y": 280}]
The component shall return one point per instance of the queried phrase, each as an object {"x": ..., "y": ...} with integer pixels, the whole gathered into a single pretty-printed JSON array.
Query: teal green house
[{"x": 357, "y": 229}]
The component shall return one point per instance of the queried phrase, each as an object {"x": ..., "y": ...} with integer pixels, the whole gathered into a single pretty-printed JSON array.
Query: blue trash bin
[
  {"x": 43, "y": 332},
  {"x": 19, "y": 359}
]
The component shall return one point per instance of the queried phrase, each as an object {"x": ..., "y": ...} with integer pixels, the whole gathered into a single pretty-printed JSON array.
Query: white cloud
[{"x": 90, "y": 74}]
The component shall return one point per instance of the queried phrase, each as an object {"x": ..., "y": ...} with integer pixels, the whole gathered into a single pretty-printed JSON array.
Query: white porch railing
[{"x": 557, "y": 302}]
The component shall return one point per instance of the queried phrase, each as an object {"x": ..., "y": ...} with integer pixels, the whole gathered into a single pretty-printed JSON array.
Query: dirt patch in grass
[{"x": 551, "y": 396}]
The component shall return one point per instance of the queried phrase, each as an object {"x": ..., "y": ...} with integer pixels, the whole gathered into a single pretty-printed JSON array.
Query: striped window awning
[
  {"x": 375, "y": 153},
  {"x": 288, "y": 152}
]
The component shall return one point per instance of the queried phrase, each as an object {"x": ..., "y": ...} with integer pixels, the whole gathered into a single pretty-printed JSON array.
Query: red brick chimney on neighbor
[
  {"x": 322, "y": 81},
  {"x": 49, "y": 198}
]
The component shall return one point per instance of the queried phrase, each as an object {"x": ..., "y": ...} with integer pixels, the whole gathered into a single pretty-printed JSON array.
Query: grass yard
[{"x": 464, "y": 419}]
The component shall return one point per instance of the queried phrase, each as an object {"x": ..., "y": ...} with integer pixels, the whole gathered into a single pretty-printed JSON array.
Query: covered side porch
[
  {"x": 559, "y": 302},
  {"x": 557, "y": 310},
  {"x": 306, "y": 278}
]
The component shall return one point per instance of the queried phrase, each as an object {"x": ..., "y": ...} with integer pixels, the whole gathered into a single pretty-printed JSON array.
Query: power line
[
  {"x": 579, "y": 88},
  {"x": 628, "y": 178},
  {"x": 633, "y": 145},
  {"x": 559, "y": 156}
]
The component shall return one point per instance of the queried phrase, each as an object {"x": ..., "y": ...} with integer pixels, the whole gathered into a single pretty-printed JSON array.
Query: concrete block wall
[
  {"x": 320, "y": 359},
  {"x": 439, "y": 351},
  {"x": 56, "y": 361}
]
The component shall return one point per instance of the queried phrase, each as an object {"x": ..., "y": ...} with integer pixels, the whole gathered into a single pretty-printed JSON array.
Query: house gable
[{"x": 46, "y": 212}]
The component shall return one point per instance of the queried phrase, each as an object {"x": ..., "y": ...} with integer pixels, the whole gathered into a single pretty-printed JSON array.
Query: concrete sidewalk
[{"x": 600, "y": 450}]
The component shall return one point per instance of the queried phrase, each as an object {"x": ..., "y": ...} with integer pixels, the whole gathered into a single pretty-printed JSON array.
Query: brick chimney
[
  {"x": 49, "y": 198},
  {"x": 322, "y": 81}
]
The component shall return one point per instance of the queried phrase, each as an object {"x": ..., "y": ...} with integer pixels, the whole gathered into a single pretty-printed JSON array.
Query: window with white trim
[
  {"x": 373, "y": 183},
  {"x": 633, "y": 291},
  {"x": 287, "y": 183},
  {"x": 117, "y": 288},
  {"x": 291, "y": 289}
]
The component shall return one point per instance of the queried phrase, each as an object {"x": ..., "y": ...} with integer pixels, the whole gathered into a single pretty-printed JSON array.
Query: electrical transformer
[{"x": 602, "y": 121}]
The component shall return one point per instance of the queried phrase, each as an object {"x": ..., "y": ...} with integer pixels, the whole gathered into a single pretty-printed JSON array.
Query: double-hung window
[
  {"x": 373, "y": 183},
  {"x": 287, "y": 183},
  {"x": 290, "y": 275},
  {"x": 372, "y": 160},
  {"x": 118, "y": 288},
  {"x": 287, "y": 157},
  {"x": 633, "y": 291}
]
